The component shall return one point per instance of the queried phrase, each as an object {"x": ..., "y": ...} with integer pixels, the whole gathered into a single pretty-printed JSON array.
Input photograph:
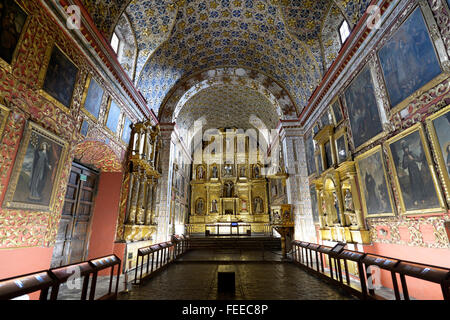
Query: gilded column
[{"x": 134, "y": 193}]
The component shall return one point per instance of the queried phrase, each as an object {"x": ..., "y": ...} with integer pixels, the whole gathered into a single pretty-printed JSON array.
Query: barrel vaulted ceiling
[{"x": 275, "y": 41}]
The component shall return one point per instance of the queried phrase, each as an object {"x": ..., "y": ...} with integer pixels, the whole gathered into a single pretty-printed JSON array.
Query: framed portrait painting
[
  {"x": 439, "y": 129},
  {"x": 92, "y": 98},
  {"x": 408, "y": 59},
  {"x": 13, "y": 21},
  {"x": 362, "y": 107},
  {"x": 37, "y": 169},
  {"x": 414, "y": 173},
  {"x": 59, "y": 79},
  {"x": 375, "y": 189}
]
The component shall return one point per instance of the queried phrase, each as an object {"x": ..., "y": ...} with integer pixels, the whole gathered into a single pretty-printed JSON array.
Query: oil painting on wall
[
  {"x": 341, "y": 149},
  {"x": 310, "y": 162},
  {"x": 439, "y": 128},
  {"x": 60, "y": 78},
  {"x": 36, "y": 170},
  {"x": 93, "y": 98},
  {"x": 113, "y": 117},
  {"x": 337, "y": 112},
  {"x": 373, "y": 181},
  {"x": 314, "y": 208},
  {"x": 362, "y": 108},
  {"x": 412, "y": 172},
  {"x": 126, "y": 135},
  {"x": 12, "y": 22},
  {"x": 408, "y": 59}
]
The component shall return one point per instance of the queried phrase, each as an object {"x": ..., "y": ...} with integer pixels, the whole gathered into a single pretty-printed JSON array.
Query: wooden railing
[
  {"x": 51, "y": 280},
  {"x": 331, "y": 264},
  {"x": 156, "y": 257}
]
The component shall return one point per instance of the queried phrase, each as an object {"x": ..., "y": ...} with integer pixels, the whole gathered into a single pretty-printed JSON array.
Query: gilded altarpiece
[
  {"x": 340, "y": 212},
  {"x": 228, "y": 186}
]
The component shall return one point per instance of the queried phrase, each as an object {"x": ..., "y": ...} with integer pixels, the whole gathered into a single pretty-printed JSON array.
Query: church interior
[{"x": 177, "y": 139}]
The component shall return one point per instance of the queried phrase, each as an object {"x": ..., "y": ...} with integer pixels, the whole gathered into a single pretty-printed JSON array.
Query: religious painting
[
  {"x": 414, "y": 173},
  {"x": 92, "y": 98},
  {"x": 200, "y": 172},
  {"x": 256, "y": 171},
  {"x": 408, "y": 59},
  {"x": 258, "y": 205},
  {"x": 214, "y": 172},
  {"x": 319, "y": 163},
  {"x": 362, "y": 109},
  {"x": 60, "y": 77},
  {"x": 376, "y": 193},
  {"x": 314, "y": 207},
  {"x": 84, "y": 128},
  {"x": 12, "y": 22},
  {"x": 439, "y": 128},
  {"x": 113, "y": 116},
  {"x": 36, "y": 171},
  {"x": 126, "y": 134},
  {"x": 337, "y": 111},
  {"x": 310, "y": 162},
  {"x": 341, "y": 146},
  {"x": 328, "y": 154},
  {"x": 325, "y": 120}
]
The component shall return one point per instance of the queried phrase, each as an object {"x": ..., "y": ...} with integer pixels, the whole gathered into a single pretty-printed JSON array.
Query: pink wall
[
  {"x": 106, "y": 212},
  {"x": 417, "y": 288}
]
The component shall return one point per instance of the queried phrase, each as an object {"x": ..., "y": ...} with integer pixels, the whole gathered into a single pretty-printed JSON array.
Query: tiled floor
[{"x": 254, "y": 281}]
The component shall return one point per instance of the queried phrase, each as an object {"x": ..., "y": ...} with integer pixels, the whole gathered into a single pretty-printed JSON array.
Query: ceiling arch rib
[{"x": 266, "y": 86}]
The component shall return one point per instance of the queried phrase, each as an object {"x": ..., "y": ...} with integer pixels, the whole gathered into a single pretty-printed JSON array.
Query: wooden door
[{"x": 73, "y": 232}]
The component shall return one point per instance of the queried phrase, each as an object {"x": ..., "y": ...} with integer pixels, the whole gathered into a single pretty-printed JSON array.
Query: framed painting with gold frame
[
  {"x": 336, "y": 111},
  {"x": 414, "y": 174},
  {"x": 341, "y": 145},
  {"x": 37, "y": 170},
  {"x": 376, "y": 193},
  {"x": 14, "y": 15},
  {"x": 415, "y": 66},
  {"x": 58, "y": 78},
  {"x": 4, "y": 113},
  {"x": 112, "y": 117},
  {"x": 439, "y": 129},
  {"x": 92, "y": 98}
]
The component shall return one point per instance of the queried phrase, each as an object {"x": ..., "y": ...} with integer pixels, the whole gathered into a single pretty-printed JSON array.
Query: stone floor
[
  {"x": 225, "y": 255},
  {"x": 254, "y": 281}
]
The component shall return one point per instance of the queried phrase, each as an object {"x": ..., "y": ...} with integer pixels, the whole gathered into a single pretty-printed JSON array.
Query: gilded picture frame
[
  {"x": 405, "y": 57},
  {"x": 415, "y": 188},
  {"x": 107, "y": 115},
  {"x": 373, "y": 157},
  {"x": 339, "y": 136},
  {"x": 3, "y": 63},
  {"x": 436, "y": 138},
  {"x": 37, "y": 170},
  {"x": 4, "y": 113},
  {"x": 85, "y": 97},
  {"x": 43, "y": 76},
  {"x": 336, "y": 103}
]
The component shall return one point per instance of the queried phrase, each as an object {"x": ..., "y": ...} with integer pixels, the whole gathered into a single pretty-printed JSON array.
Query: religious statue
[
  {"x": 256, "y": 172},
  {"x": 228, "y": 170},
  {"x": 200, "y": 173},
  {"x": 199, "y": 207},
  {"x": 244, "y": 205},
  {"x": 214, "y": 206},
  {"x": 214, "y": 172},
  {"x": 41, "y": 168},
  {"x": 258, "y": 205},
  {"x": 242, "y": 174},
  {"x": 229, "y": 190},
  {"x": 348, "y": 199}
]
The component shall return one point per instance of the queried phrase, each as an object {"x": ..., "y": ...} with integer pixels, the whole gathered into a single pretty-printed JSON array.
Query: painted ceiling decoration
[
  {"x": 177, "y": 39},
  {"x": 252, "y": 79},
  {"x": 228, "y": 105}
]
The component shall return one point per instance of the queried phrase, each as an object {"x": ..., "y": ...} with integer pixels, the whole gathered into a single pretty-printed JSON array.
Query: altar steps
[{"x": 242, "y": 243}]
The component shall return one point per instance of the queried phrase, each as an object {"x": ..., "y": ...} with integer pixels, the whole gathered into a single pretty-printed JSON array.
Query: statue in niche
[
  {"x": 214, "y": 206},
  {"x": 200, "y": 173},
  {"x": 200, "y": 207},
  {"x": 244, "y": 205},
  {"x": 214, "y": 172},
  {"x": 228, "y": 190},
  {"x": 336, "y": 215},
  {"x": 348, "y": 199},
  {"x": 258, "y": 205},
  {"x": 228, "y": 170},
  {"x": 242, "y": 172},
  {"x": 256, "y": 172}
]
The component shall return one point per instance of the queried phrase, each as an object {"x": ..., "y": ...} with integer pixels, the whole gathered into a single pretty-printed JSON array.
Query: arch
[{"x": 98, "y": 155}]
